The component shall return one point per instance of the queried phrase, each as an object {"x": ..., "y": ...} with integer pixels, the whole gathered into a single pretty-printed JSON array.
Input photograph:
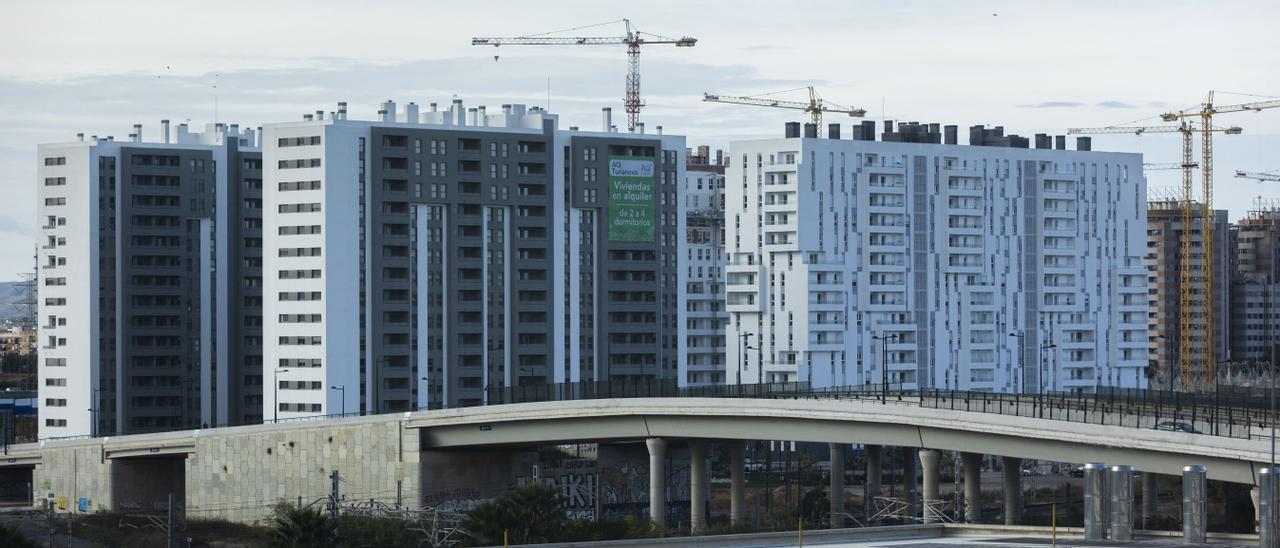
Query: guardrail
[{"x": 1220, "y": 413}]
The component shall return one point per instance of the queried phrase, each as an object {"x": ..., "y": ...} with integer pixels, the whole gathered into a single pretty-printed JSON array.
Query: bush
[
  {"x": 12, "y": 538},
  {"x": 609, "y": 529},
  {"x": 529, "y": 514}
]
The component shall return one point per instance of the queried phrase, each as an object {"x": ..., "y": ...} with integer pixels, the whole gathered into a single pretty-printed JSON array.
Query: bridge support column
[
  {"x": 1256, "y": 497},
  {"x": 697, "y": 485},
  {"x": 1012, "y": 490},
  {"x": 737, "y": 482},
  {"x": 972, "y": 487},
  {"x": 1268, "y": 513},
  {"x": 657, "y": 481},
  {"x": 1120, "y": 489},
  {"x": 1149, "y": 497},
  {"x": 929, "y": 462},
  {"x": 909, "y": 457},
  {"x": 871, "y": 489},
  {"x": 837, "y": 484}
]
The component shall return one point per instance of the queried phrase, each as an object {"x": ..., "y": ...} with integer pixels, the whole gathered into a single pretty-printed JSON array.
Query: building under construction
[
  {"x": 1164, "y": 260},
  {"x": 1255, "y": 282}
]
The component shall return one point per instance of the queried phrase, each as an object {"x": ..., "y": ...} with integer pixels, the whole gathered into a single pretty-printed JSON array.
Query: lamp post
[
  {"x": 1043, "y": 347},
  {"x": 742, "y": 351},
  {"x": 343, "y": 391},
  {"x": 884, "y": 365},
  {"x": 1021, "y": 365},
  {"x": 275, "y": 385}
]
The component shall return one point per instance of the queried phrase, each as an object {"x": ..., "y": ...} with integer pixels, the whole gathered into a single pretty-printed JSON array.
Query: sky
[{"x": 1034, "y": 67}]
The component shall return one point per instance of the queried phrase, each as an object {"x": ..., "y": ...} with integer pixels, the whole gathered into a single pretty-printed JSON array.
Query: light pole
[
  {"x": 1042, "y": 363},
  {"x": 745, "y": 345},
  {"x": 1021, "y": 365},
  {"x": 884, "y": 365},
  {"x": 343, "y": 391},
  {"x": 275, "y": 398}
]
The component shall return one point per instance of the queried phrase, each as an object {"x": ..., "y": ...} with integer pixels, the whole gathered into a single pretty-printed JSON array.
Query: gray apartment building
[
  {"x": 436, "y": 258},
  {"x": 136, "y": 334}
]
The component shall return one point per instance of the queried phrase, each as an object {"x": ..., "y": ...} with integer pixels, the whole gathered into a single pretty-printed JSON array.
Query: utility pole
[
  {"x": 171, "y": 533},
  {"x": 334, "y": 495},
  {"x": 884, "y": 365}
]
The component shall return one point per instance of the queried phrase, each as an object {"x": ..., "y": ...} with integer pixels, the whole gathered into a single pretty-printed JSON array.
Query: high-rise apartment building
[
  {"x": 1255, "y": 284},
  {"x": 704, "y": 312},
  {"x": 425, "y": 259},
  {"x": 992, "y": 267},
  {"x": 1164, "y": 264},
  {"x": 146, "y": 248}
]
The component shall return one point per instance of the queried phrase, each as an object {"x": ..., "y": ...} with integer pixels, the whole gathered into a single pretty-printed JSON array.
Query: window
[
  {"x": 301, "y": 163},
  {"x": 299, "y": 252},
  {"x": 299, "y": 185},
  {"x": 55, "y": 181},
  {"x": 300, "y": 229},
  {"x": 299, "y": 208},
  {"x": 299, "y": 141},
  {"x": 55, "y": 422},
  {"x": 55, "y": 201},
  {"x": 55, "y": 381},
  {"x": 589, "y": 154},
  {"x": 56, "y": 161}
]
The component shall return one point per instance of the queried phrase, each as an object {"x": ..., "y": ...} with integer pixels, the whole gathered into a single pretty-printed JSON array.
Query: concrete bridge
[{"x": 240, "y": 473}]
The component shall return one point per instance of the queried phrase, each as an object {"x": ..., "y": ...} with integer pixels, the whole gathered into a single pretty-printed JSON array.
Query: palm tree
[
  {"x": 529, "y": 514},
  {"x": 302, "y": 528}
]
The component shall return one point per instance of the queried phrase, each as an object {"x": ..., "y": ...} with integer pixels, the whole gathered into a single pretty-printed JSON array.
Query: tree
[
  {"x": 302, "y": 528},
  {"x": 529, "y": 514},
  {"x": 11, "y": 537}
]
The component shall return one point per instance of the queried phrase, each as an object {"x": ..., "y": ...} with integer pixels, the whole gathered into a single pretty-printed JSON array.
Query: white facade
[
  {"x": 705, "y": 315},
  {"x": 70, "y": 180},
  {"x": 948, "y": 251},
  {"x": 330, "y": 186}
]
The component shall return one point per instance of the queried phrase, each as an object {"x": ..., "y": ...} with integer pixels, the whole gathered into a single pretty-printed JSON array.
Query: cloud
[
  {"x": 1115, "y": 104},
  {"x": 1054, "y": 104}
]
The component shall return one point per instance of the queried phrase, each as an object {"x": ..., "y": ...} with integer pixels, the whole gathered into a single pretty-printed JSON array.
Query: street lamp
[
  {"x": 1021, "y": 365},
  {"x": 744, "y": 345},
  {"x": 884, "y": 367},
  {"x": 342, "y": 390},
  {"x": 1042, "y": 364},
  {"x": 275, "y": 385}
]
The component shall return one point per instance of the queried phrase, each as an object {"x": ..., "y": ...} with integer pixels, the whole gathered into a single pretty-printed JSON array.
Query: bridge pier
[
  {"x": 657, "y": 481},
  {"x": 972, "y": 487},
  {"x": 1149, "y": 497},
  {"x": 909, "y": 457},
  {"x": 1012, "y": 490},
  {"x": 837, "y": 484},
  {"x": 737, "y": 482},
  {"x": 929, "y": 459},
  {"x": 871, "y": 489},
  {"x": 697, "y": 485}
]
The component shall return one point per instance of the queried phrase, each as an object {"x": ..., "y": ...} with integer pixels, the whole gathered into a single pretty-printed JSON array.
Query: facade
[
  {"x": 424, "y": 259},
  {"x": 957, "y": 266},
  {"x": 1164, "y": 263},
  {"x": 1255, "y": 284},
  {"x": 705, "y": 316},
  {"x": 136, "y": 242}
]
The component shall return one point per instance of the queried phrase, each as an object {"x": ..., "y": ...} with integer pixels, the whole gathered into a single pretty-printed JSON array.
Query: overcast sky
[{"x": 1033, "y": 67}]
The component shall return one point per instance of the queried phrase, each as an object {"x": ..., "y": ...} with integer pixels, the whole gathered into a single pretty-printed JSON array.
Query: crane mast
[
  {"x": 1205, "y": 114},
  {"x": 631, "y": 101}
]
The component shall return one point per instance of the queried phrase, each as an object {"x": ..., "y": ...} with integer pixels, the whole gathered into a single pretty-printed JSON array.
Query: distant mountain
[{"x": 10, "y": 297}]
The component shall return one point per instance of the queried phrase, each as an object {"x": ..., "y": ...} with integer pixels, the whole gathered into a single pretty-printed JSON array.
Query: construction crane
[
  {"x": 633, "y": 40},
  {"x": 815, "y": 107},
  {"x": 1205, "y": 115},
  {"x": 1187, "y": 280},
  {"x": 1260, "y": 177},
  {"x": 1174, "y": 165}
]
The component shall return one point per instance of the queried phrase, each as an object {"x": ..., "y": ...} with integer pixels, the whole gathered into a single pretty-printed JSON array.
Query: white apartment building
[
  {"x": 705, "y": 315},
  {"x": 992, "y": 268},
  {"x": 136, "y": 240},
  {"x": 427, "y": 259}
]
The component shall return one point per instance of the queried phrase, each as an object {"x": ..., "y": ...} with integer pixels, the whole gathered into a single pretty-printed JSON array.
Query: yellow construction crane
[
  {"x": 1187, "y": 279},
  {"x": 1205, "y": 114},
  {"x": 815, "y": 106},
  {"x": 1260, "y": 177},
  {"x": 633, "y": 40}
]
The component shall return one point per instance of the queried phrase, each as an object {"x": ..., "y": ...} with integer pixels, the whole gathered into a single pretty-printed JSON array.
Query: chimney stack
[
  {"x": 793, "y": 130},
  {"x": 606, "y": 114},
  {"x": 482, "y": 116},
  {"x": 457, "y": 113},
  {"x": 1060, "y": 142},
  {"x": 950, "y": 135},
  {"x": 342, "y": 110},
  {"x": 1084, "y": 143},
  {"x": 164, "y": 128},
  {"x": 471, "y": 117},
  {"x": 659, "y": 130},
  {"x": 80, "y": 137},
  {"x": 1043, "y": 141},
  {"x": 640, "y": 127},
  {"x": 411, "y": 113},
  {"x": 833, "y": 131},
  {"x": 137, "y": 132}
]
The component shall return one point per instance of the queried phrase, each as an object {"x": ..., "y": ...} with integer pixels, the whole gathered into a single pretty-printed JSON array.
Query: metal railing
[{"x": 1228, "y": 413}]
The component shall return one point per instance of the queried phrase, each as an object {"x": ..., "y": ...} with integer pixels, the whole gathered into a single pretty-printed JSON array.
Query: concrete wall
[{"x": 75, "y": 471}]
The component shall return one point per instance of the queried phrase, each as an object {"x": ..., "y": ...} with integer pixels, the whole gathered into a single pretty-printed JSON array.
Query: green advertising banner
[{"x": 631, "y": 199}]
